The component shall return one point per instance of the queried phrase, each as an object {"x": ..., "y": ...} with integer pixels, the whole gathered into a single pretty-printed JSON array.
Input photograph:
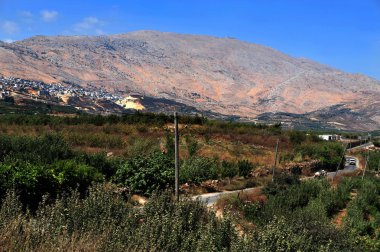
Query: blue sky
[{"x": 343, "y": 34}]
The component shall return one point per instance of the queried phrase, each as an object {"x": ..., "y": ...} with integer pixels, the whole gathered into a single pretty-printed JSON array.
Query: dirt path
[{"x": 337, "y": 220}]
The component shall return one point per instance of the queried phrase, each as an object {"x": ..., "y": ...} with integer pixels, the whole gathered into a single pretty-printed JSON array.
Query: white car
[{"x": 320, "y": 174}]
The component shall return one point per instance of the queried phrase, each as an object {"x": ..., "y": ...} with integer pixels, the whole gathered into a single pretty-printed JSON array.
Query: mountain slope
[{"x": 223, "y": 75}]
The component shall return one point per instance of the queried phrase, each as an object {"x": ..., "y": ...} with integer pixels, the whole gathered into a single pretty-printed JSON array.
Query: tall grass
[{"x": 104, "y": 221}]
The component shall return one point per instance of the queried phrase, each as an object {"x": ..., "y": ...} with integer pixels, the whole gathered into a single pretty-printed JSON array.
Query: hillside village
[{"x": 67, "y": 94}]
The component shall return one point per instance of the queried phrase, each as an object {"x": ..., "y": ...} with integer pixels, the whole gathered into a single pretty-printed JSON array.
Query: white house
[{"x": 330, "y": 137}]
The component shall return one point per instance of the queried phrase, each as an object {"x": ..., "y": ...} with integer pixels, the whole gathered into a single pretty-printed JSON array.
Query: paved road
[
  {"x": 365, "y": 145},
  {"x": 347, "y": 168},
  {"x": 211, "y": 198}
]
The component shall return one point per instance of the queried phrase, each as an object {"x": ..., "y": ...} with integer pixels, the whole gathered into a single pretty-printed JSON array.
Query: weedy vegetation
[{"x": 67, "y": 183}]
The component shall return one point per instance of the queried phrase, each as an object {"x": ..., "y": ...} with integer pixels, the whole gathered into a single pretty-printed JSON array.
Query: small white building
[
  {"x": 363, "y": 138},
  {"x": 330, "y": 137}
]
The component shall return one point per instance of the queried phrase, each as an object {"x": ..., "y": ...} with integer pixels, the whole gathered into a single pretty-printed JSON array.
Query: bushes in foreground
[
  {"x": 103, "y": 221},
  {"x": 307, "y": 209},
  {"x": 32, "y": 181},
  {"x": 306, "y": 216},
  {"x": 363, "y": 215},
  {"x": 47, "y": 165}
]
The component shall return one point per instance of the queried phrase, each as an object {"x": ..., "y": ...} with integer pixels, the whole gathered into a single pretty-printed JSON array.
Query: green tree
[
  {"x": 144, "y": 174},
  {"x": 297, "y": 137},
  {"x": 245, "y": 167},
  {"x": 192, "y": 145},
  {"x": 198, "y": 169}
]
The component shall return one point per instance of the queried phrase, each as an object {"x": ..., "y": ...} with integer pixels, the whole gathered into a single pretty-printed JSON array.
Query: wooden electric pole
[
  {"x": 176, "y": 153},
  {"x": 340, "y": 162},
  {"x": 365, "y": 166},
  {"x": 275, "y": 160}
]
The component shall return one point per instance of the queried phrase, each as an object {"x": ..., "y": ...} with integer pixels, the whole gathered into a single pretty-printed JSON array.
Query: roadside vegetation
[
  {"x": 297, "y": 218},
  {"x": 294, "y": 215},
  {"x": 69, "y": 182}
]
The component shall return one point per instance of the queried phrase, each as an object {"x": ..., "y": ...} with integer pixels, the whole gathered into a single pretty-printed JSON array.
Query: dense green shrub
[
  {"x": 362, "y": 206},
  {"x": 280, "y": 183},
  {"x": 373, "y": 160},
  {"x": 335, "y": 199},
  {"x": 228, "y": 169},
  {"x": 103, "y": 221},
  {"x": 363, "y": 217},
  {"x": 70, "y": 174},
  {"x": 46, "y": 165},
  {"x": 105, "y": 165},
  {"x": 376, "y": 143},
  {"x": 304, "y": 210},
  {"x": 245, "y": 167},
  {"x": 277, "y": 235},
  {"x": 192, "y": 146},
  {"x": 313, "y": 137},
  {"x": 330, "y": 154},
  {"x": 290, "y": 198},
  {"x": 297, "y": 137},
  {"x": 29, "y": 180},
  {"x": 170, "y": 144},
  {"x": 144, "y": 174},
  {"x": 140, "y": 146},
  {"x": 198, "y": 169},
  {"x": 32, "y": 181},
  {"x": 47, "y": 148}
]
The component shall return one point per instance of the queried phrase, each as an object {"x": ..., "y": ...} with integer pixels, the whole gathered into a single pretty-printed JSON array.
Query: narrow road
[
  {"x": 365, "y": 145},
  {"x": 211, "y": 198},
  {"x": 347, "y": 168}
]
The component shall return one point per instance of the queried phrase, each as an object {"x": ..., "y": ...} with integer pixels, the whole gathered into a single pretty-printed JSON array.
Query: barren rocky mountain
[{"x": 222, "y": 75}]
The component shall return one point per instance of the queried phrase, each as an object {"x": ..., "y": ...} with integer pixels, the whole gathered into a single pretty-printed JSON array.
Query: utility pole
[
  {"x": 365, "y": 166},
  {"x": 341, "y": 159},
  {"x": 176, "y": 153},
  {"x": 275, "y": 160}
]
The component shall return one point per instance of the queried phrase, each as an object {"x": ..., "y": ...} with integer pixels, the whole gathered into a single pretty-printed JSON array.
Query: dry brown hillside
[{"x": 223, "y": 75}]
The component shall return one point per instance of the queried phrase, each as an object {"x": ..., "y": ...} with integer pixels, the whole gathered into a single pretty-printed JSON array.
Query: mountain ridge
[{"x": 223, "y": 75}]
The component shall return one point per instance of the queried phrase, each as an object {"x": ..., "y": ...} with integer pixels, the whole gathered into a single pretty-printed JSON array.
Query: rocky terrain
[{"x": 222, "y": 75}]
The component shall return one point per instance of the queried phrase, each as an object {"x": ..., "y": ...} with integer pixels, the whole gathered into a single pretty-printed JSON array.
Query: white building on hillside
[{"x": 330, "y": 137}]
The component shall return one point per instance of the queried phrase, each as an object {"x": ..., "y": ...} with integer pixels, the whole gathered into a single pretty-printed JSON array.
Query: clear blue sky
[{"x": 341, "y": 33}]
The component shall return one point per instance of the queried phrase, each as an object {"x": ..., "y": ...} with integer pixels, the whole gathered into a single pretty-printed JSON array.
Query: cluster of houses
[
  {"x": 336, "y": 137},
  {"x": 38, "y": 89}
]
